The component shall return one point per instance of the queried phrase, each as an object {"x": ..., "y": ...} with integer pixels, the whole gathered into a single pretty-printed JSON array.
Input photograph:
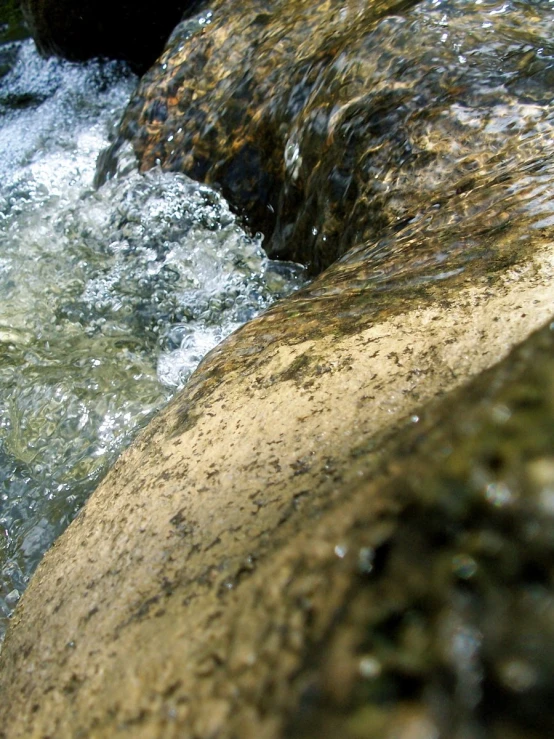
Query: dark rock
[
  {"x": 12, "y": 26},
  {"x": 133, "y": 31}
]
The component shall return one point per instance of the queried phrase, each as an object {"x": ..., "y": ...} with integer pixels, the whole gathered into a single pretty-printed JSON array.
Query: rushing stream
[{"x": 110, "y": 297}]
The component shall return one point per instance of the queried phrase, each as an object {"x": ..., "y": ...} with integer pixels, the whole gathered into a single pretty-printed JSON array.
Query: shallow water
[
  {"x": 110, "y": 298},
  {"x": 361, "y": 118}
]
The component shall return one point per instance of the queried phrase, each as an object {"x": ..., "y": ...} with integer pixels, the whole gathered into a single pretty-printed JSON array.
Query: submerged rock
[
  {"x": 329, "y": 125},
  {"x": 134, "y": 31}
]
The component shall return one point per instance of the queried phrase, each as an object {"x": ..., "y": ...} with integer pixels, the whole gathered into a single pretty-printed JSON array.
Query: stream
[{"x": 110, "y": 297}]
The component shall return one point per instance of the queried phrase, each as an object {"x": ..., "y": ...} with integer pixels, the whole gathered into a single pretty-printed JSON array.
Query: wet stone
[
  {"x": 470, "y": 639},
  {"x": 290, "y": 110},
  {"x": 111, "y": 296},
  {"x": 410, "y": 594}
]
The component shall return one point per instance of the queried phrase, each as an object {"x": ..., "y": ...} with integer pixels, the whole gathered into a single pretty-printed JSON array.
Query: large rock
[
  {"x": 331, "y": 124},
  {"x": 209, "y": 587},
  {"x": 308, "y": 542},
  {"x": 134, "y": 31}
]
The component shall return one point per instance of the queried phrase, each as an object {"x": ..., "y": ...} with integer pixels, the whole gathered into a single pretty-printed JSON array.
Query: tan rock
[
  {"x": 127, "y": 627},
  {"x": 220, "y": 582}
]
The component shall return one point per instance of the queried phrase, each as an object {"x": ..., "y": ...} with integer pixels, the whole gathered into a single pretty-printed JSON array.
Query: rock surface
[
  {"x": 120, "y": 29},
  {"x": 310, "y": 541},
  {"x": 329, "y": 125},
  {"x": 198, "y": 591}
]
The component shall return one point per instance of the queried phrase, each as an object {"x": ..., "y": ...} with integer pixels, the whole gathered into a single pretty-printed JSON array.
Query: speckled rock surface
[
  {"x": 326, "y": 534},
  {"x": 198, "y": 591},
  {"x": 134, "y": 31}
]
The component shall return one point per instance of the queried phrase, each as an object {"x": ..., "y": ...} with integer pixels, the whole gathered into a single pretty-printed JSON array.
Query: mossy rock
[{"x": 12, "y": 26}]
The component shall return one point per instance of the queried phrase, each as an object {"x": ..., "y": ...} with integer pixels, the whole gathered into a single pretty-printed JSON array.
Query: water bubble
[
  {"x": 501, "y": 414},
  {"x": 518, "y": 675},
  {"x": 370, "y": 667},
  {"x": 12, "y": 597},
  {"x": 464, "y": 566},
  {"x": 366, "y": 560},
  {"x": 498, "y": 494}
]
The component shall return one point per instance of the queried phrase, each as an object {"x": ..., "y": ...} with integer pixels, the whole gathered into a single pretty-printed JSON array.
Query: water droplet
[
  {"x": 12, "y": 597},
  {"x": 366, "y": 560},
  {"x": 464, "y": 566},
  {"x": 498, "y": 494},
  {"x": 500, "y": 414},
  {"x": 518, "y": 675},
  {"x": 370, "y": 667}
]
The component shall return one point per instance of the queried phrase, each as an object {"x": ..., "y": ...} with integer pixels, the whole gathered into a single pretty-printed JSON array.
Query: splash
[{"x": 111, "y": 297}]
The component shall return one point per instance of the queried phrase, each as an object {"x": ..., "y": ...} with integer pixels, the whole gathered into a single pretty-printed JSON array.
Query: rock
[
  {"x": 12, "y": 27},
  {"x": 219, "y": 581},
  {"x": 448, "y": 624},
  {"x": 329, "y": 126},
  {"x": 329, "y": 532},
  {"x": 133, "y": 31}
]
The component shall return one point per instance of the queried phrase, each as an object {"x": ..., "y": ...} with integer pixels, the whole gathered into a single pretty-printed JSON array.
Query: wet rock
[
  {"x": 452, "y": 634},
  {"x": 329, "y": 532},
  {"x": 329, "y": 126},
  {"x": 281, "y": 555},
  {"x": 12, "y": 27},
  {"x": 134, "y": 31}
]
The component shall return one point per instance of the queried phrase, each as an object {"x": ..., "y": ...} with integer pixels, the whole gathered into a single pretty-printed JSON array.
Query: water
[
  {"x": 110, "y": 298},
  {"x": 431, "y": 115}
]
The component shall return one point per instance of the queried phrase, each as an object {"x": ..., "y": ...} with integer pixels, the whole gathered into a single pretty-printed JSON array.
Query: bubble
[
  {"x": 498, "y": 494},
  {"x": 370, "y": 667}
]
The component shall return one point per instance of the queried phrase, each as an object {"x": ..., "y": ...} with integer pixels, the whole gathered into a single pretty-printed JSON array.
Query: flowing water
[{"x": 109, "y": 297}]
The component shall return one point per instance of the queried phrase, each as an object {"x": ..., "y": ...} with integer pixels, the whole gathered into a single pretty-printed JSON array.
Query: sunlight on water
[{"x": 110, "y": 298}]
